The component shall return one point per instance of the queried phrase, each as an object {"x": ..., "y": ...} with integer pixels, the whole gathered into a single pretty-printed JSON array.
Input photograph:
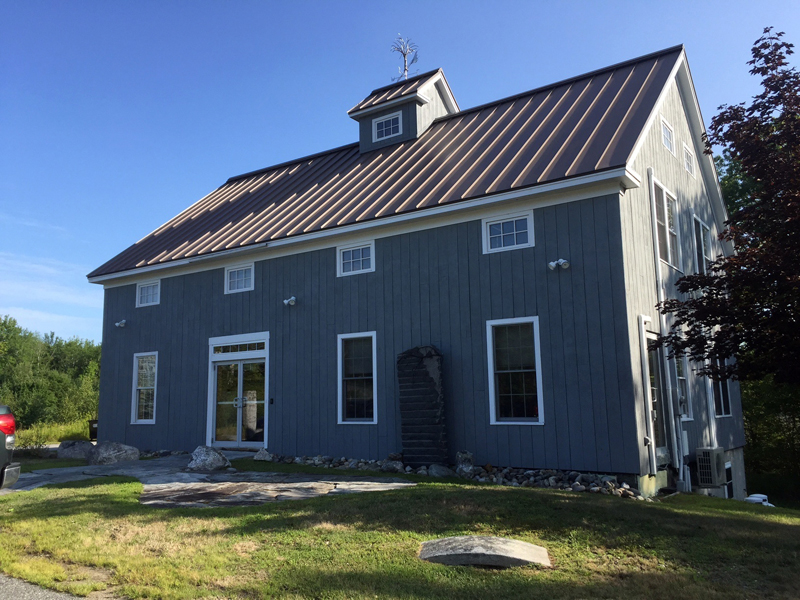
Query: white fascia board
[
  {"x": 548, "y": 194},
  {"x": 417, "y": 96}
]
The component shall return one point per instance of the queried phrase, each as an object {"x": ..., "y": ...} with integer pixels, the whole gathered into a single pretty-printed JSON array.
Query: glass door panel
[
  {"x": 227, "y": 403},
  {"x": 658, "y": 397},
  {"x": 252, "y": 401}
]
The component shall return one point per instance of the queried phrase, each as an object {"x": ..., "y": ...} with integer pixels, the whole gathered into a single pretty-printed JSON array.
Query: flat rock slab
[
  {"x": 484, "y": 551},
  {"x": 239, "y": 492}
]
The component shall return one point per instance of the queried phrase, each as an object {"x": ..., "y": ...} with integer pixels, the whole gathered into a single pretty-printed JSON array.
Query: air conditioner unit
[{"x": 710, "y": 467}]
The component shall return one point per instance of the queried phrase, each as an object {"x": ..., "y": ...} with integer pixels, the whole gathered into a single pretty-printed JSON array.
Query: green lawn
[
  {"x": 95, "y": 535},
  {"x": 35, "y": 464}
]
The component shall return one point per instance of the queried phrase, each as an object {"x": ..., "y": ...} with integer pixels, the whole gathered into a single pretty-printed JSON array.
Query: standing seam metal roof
[{"x": 579, "y": 126}]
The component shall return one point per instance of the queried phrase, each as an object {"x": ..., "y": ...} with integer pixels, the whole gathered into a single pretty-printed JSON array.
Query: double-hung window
[
  {"x": 667, "y": 225},
  {"x": 387, "y": 127},
  {"x": 358, "y": 386},
  {"x": 507, "y": 232},
  {"x": 722, "y": 396},
  {"x": 148, "y": 293},
  {"x": 239, "y": 278},
  {"x": 668, "y": 136},
  {"x": 145, "y": 370},
  {"x": 688, "y": 160},
  {"x": 515, "y": 383},
  {"x": 702, "y": 246},
  {"x": 355, "y": 258}
]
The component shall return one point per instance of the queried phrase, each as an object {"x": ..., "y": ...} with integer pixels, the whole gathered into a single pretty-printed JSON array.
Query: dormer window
[{"x": 387, "y": 126}]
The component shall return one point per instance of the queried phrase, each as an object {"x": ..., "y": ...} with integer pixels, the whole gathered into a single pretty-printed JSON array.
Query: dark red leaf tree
[{"x": 747, "y": 305}]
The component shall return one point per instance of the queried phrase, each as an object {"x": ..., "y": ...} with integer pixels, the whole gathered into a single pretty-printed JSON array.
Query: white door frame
[{"x": 251, "y": 355}]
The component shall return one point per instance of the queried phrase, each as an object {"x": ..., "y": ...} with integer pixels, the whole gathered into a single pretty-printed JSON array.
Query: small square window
[
  {"x": 508, "y": 232},
  {"x": 387, "y": 126},
  {"x": 148, "y": 293},
  {"x": 356, "y": 259},
  {"x": 667, "y": 135},
  {"x": 239, "y": 279}
]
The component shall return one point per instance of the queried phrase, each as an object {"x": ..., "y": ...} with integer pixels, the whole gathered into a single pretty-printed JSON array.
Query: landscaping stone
[
  {"x": 206, "y": 458},
  {"x": 393, "y": 466},
  {"x": 465, "y": 466},
  {"x": 440, "y": 471},
  {"x": 485, "y": 551},
  {"x": 108, "y": 453},
  {"x": 75, "y": 449},
  {"x": 263, "y": 455}
]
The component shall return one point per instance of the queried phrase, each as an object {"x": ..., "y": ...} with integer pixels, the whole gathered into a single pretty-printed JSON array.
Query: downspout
[{"x": 676, "y": 444}]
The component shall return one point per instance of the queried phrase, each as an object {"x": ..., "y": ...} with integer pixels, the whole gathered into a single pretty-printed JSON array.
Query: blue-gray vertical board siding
[{"x": 432, "y": 286}]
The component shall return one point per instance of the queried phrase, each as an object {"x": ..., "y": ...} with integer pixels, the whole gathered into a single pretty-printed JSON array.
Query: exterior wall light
[
  {"x": 290, "y": 301},
  {"x": 120, "y": 323},
  {"x": 561, "y": 262}
]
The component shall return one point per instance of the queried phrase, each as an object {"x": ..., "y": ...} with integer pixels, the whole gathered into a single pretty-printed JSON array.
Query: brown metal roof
[
  {"x": 395, "y": 91},
  {"x": 575, "y": 127}
]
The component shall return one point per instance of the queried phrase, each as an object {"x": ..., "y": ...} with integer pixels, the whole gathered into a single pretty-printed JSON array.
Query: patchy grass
[
  {"x": 36, "y": 464},
  {"x": 48, "y": 433},
  {"x": 248, "y": 464},
  {"x": 95, "y": 535}
]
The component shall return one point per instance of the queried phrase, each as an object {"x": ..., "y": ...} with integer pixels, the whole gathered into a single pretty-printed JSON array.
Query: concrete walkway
[{"x": 167, "y": 483}]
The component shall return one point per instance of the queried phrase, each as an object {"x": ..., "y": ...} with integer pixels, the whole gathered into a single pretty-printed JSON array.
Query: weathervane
[{"x": 405, "y": 47}]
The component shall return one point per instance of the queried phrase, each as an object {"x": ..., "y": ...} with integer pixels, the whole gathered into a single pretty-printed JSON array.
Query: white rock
[
  {"x": 206, "y": 458},
  {"x": 483, "y": 551}
]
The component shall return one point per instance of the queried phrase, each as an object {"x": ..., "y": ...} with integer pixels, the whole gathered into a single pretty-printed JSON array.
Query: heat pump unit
[{"x": 710, "y": 467}]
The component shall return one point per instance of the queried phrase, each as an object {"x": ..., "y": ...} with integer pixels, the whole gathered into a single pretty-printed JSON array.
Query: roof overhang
[
  {"x": 417, "y": 96},
  {"x": 420, "y": 96},
  {"x": 619, "y": 178}
]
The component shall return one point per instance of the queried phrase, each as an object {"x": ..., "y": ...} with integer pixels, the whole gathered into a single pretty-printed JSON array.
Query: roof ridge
[
  {"x": 560, "y": 83},
  {"x": 404, "y": 81}
]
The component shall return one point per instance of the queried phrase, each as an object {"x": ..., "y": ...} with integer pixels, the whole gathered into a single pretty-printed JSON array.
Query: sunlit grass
[
  {"x": 95, "y": 535},
  {"x": 46, "y": 433}
]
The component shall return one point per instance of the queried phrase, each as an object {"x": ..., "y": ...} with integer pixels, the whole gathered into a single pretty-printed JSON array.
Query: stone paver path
[{"x": 168, "y": 484}]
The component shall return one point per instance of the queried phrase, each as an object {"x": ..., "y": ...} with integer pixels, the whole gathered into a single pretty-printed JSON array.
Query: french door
[{"x": 239, "y": 418}]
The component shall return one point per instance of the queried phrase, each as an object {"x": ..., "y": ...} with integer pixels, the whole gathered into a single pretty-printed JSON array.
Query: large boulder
[
  {"x": 393, "y": 466},
  {"x": 465, "y": 466},
  {"x": 108, "y": 453},
  {"x": 440, "y": 471},
  {"x": 75, "y": 449},
  {"x": 485, "y": 551},
  {"x": 206, "y": 458}
]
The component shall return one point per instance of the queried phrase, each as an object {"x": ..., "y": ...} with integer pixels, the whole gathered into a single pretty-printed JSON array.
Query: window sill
[
  {"x": 153, "y": 422},
  {"x": 687, "y": 419},
  {"x": 663, "y": 262},
  {"x": 516, "y": 423},
  {"x": 357, "y": 423},
  {"x": 723, "y": 416}
]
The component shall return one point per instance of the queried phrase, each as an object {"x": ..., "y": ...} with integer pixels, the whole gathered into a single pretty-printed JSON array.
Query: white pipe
[{"x": 676, "y": 444}]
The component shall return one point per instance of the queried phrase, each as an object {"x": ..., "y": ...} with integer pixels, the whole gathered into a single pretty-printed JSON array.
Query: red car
[{"x": 9, "y": 471}]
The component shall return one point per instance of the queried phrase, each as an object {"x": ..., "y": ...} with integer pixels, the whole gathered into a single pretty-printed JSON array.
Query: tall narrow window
[
  {"x": 145, "y": 368},
  {"x": 357, "y": 384},
  {"x": 667, "y": 225},
  {"x": 514, "y": 373},
  {"x": 682, "y": 370},
  {"x": 667, "y": 136},
  {"x": 722, "y": 396},
  {"x": 239, "y": 279},
  {"x": 702, "y": 246},
  {"x": 148, "y": 293}
]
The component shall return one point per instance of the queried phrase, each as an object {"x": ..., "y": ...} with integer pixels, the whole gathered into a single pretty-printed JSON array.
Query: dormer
[{"x": 402, "y": 111}]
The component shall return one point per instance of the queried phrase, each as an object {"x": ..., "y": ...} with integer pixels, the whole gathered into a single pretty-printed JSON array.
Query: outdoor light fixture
[
  {"x": 561, "y": 262},
  {"x": 290, "y": 301},
  {"x": 120, "y": 323}
]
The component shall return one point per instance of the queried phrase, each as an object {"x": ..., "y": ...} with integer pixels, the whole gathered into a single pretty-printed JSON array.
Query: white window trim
[
  {"x": 362, "y": 244},
  {"x": 690, "y": 414},
  {"x": 377, "y": 120},
  {"x": 526, "y": 214},
  {"x": 144, "y": 284},
  {"x": 490, "y": 360},
  {"x": 339, "y": 338},
  {"x": 665, "y": 123},
  {"x": 686, "y": 151},
  {"x": 252, "y": 268},
  {"x": 678, "y": 266},
  {"x": 134, "y": 397},
  {"x": 700, "y": 241}
]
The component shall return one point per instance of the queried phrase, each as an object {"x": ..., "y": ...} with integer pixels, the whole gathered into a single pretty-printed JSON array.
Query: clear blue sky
[{"x": 114, "y": 116}]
